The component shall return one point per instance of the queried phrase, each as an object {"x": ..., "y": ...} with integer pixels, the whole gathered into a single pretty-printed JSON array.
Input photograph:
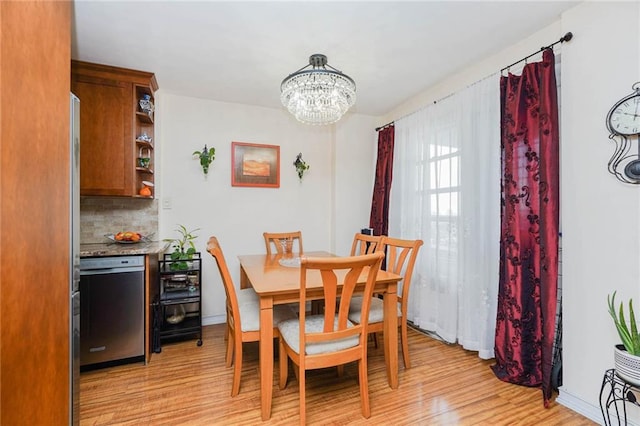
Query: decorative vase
[
  {"x": 175, "y": 314},
  {"x": 144, "y": 157},
  {"x": 287, "y": 247},
  {"x": 145, "y": 191},
  {"x": 146, "y": 105},
  {"x": 627, "y": 365}
]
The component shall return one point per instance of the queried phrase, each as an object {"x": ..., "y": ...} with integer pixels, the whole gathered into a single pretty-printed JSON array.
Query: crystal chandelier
[{"x": 318, "y": 95}]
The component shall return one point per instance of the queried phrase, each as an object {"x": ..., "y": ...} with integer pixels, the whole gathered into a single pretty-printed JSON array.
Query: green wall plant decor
[
  {"x": 206, "y": 157},
  {"x": 301, "y": 166}
]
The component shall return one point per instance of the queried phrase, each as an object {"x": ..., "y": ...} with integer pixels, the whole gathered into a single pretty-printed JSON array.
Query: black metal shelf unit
[{"x": 178, "y": 309}]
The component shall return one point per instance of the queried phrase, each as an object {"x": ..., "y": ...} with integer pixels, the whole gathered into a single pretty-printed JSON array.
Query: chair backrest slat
[
  {"x": 272, "y": 239},
  {"x": 366, "y": 244},
  {"x": 340, "y": 277},
  {"x": 401, "y": 258}
]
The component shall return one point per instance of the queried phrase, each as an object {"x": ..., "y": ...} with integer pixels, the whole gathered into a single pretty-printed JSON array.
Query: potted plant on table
[
  {"x": 626, "y": 355},
  {"x": 183, "y": 248}
]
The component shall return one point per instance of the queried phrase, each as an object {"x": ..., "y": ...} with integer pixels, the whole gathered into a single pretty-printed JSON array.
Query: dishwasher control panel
[{"x": 111, "y": 262}]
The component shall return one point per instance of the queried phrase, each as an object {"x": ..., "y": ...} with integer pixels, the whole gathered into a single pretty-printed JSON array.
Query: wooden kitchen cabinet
[
  {"x": 35, "y": 302},
  {"x": 114, "y": 131}
]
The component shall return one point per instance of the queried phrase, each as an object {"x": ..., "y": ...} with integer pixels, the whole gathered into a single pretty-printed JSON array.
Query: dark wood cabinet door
[{"x": 106, "y": 155}]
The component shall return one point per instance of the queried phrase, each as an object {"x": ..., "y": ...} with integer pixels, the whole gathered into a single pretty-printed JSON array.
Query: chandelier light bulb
[{"x": 318, "y": 95}]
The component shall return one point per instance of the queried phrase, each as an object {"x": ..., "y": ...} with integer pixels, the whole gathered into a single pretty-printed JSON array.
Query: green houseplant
[
  {"x": 627, "y": 355},
  {"x": 300, "y": 165},
  {"x": 628, "y": 334},
  {"x": 183, "y": 248},
  {"x": 206, "y": 157}
]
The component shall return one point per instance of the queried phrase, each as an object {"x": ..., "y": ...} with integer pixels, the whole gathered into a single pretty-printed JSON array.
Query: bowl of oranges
[{"x": 127, "y": 237}]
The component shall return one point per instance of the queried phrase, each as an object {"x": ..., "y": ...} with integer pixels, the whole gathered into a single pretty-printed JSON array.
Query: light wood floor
[{"x": 189, "y": 385}]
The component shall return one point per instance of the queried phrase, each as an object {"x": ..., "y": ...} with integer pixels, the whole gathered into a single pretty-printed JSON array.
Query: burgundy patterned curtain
[
  {"x": 529, "y": 227},
  {"x": 379, "y": 219}
]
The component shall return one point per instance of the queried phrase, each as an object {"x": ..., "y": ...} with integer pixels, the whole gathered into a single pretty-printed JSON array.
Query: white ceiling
[{"x": 236, "y": 51}]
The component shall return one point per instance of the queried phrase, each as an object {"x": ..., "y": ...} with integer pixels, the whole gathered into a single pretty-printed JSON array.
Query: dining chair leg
[
  {"x": 228, "y": 359},
  {"x": 302, "y": 384},
  {"x": 226, "y": 329},
  {"x": 405, "y": 344},
  {"x": 237, "y": 368},
  {"x": 375, "y": 339},
  {"x": 316, "y": 307},
  {"x": 296, "y": 371},
  {"x": 284, "y": 365},
  {"x": 364, "y": 388}
]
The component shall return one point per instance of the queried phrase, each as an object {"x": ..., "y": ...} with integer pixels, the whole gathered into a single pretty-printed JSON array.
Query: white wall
[
  {"x": 333, "y": 198},
  {"x": 355, "y": 160},
  {"x": 600, "y": 216}
]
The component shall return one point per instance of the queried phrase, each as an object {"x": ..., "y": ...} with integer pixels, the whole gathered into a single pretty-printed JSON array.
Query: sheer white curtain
[{"x": 446, "y": 191}]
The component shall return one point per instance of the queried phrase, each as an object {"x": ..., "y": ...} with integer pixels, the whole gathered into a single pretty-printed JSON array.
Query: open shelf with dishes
[
  {"x": 143, "y": 139},
  {"x": 178, "y": 309}
]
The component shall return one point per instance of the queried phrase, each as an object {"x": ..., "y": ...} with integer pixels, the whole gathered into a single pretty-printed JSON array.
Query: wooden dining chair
[
  {"x": 330, "y": 339},
  {"x": 400, "y": 259},
  {"x": 243, "y": 315},
  {"x": 366, "y": 244},
  {"x": 272, "y": 239},
  {"x": 275, "y": 239}
]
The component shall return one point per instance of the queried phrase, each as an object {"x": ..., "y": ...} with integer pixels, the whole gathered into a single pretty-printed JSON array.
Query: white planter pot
[{"x": 627, "y": 365}]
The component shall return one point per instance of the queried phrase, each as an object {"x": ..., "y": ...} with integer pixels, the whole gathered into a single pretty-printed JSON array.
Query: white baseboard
[
  {"x": 215, "y": 319},
  {"x": 590, "y": 411}
]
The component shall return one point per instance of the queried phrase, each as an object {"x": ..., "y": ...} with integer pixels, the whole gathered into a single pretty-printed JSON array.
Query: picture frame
[{"x": 255, "y": 165}]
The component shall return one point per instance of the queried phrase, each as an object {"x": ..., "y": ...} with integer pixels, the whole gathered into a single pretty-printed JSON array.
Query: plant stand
[
  {"x": 178, "y": 311},
  {"x": 616, "y": 390}
]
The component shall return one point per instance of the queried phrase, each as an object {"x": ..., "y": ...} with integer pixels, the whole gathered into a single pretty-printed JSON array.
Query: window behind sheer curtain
[{"x": 446, "y": 191}]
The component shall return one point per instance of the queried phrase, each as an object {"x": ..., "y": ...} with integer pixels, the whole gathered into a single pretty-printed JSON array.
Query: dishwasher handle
[{"x": 104, "y": 271}]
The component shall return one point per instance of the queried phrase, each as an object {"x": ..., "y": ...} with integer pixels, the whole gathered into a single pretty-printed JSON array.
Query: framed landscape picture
[{"x": 255, "y": 165}]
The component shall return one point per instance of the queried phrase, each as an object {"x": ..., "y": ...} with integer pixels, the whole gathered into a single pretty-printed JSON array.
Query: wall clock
[{"x": 623, "y": 123}]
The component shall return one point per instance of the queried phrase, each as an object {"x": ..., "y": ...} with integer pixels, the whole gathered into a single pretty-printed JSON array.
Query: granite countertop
[{"x": 117, "y": 249}]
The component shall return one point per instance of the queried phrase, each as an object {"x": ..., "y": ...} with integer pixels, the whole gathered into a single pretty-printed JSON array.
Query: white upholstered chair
[
  {"x": 400, "y": 259},
  {"x": 330, "y": 339},
  {"x": 243, "y": 315}
]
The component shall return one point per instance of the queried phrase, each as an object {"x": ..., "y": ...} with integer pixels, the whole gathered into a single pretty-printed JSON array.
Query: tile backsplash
[{"x": 108, "y": 215}]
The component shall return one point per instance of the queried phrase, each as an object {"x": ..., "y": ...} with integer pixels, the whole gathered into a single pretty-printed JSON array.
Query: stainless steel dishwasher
[{"x": 111, "y": 310}]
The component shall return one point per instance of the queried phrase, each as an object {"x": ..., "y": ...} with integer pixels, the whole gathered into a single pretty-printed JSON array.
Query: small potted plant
[
  {"x": 206, "y": 157},
  {"x": 301, "y": 166},
  {"x": 183, "y": 248},
  {"x": 626, "y": 355}
]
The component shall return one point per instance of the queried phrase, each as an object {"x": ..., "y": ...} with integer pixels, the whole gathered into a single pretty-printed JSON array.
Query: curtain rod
[
  {"x": 568, "y": 36},
  {"x": 384, "y": 125}
]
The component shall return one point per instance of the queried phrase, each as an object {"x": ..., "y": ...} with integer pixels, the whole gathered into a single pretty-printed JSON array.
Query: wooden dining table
[{"x": 276, "y": 280}]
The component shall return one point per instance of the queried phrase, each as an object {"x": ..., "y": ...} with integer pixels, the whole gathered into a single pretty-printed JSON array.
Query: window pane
[
  {"x": 444, "y": 236},
  {"x": 444, "y": 205},
  {"x": 454, "y": 170}
]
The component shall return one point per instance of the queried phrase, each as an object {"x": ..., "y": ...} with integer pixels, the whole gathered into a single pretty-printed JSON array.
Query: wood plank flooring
[{"x": 189, "y": 385}]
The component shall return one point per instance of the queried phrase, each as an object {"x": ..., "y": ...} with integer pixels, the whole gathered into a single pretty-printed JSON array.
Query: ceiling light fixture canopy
[{"x": 319, "y": 95}]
